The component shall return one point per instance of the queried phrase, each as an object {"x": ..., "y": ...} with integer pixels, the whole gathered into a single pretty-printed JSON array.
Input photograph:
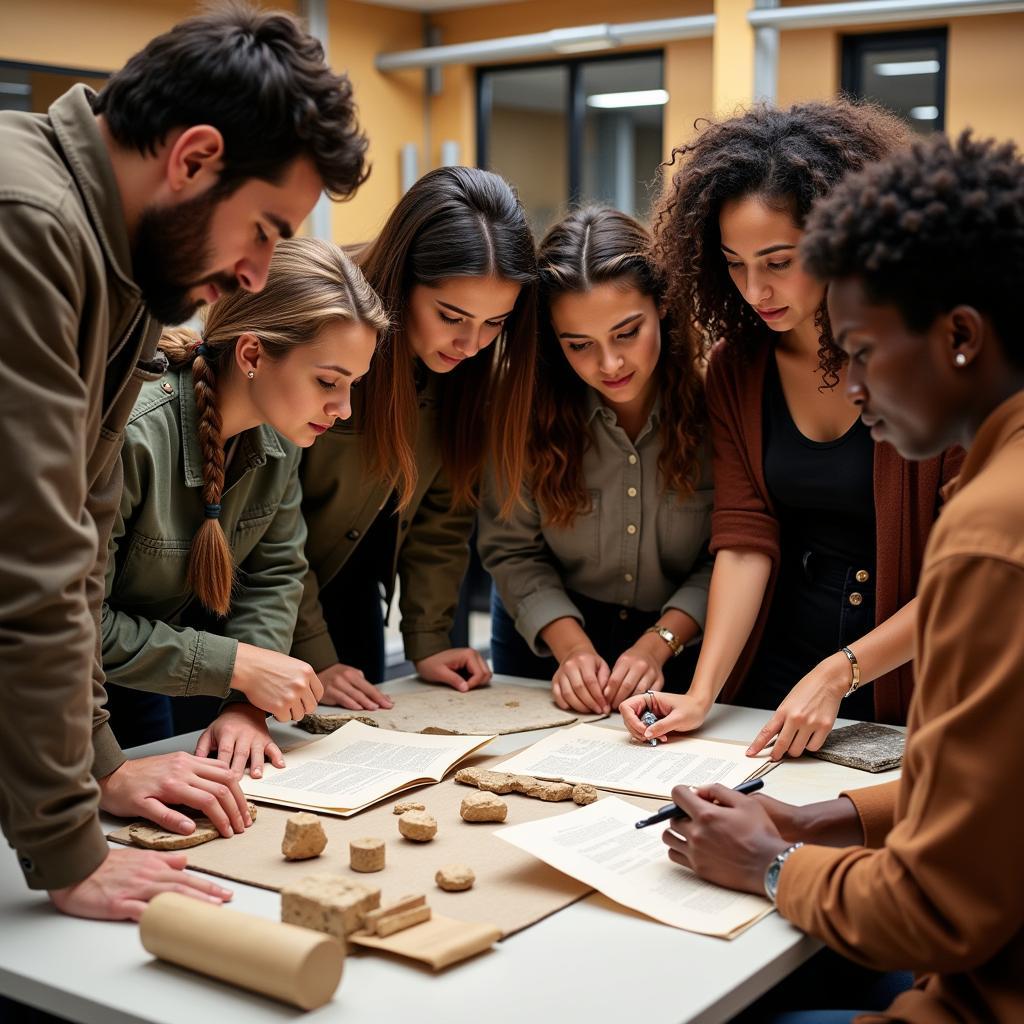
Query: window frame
[
  {"x": 576, "y": 106},
  {"x": 854, "y": 47}
]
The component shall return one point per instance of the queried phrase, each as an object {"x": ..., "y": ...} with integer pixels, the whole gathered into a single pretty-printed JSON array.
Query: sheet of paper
[
  {"x": 609, "y": 759},
  {"x": 358, "y": 765},
  {"x": 600, "y": 846}
]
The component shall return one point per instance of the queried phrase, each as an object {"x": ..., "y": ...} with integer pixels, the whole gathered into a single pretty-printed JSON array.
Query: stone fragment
[
  {"x": 483, "y": 807},
  {"x": 328, "y": 723},
  {"x": 506, "y": 782},
  {"x": 331, "y": 904},
  {"x": 552, "y": 792},
  {"x": 408, "y": 805},
  {"x": 304, "y": 837},
  {"x": 455, "y": 877},
  {"x": 366, "y": 855},
  {"x": 583, "y": 793},
  {"x": 418, "y": 826},
  {"x": 152, "y": 838},
  {"x": 399, "y": 922}
]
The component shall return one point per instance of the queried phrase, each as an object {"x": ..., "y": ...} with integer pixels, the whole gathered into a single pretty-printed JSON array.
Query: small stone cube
[{"x": 331, "y": 904}]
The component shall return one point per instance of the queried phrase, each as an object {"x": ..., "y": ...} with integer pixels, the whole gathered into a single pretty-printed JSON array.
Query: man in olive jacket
[{"x": 119, "y": 212}]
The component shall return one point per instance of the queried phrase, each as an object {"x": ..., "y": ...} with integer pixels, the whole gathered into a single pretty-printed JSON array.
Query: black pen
[{"x": 672, "y": 811}]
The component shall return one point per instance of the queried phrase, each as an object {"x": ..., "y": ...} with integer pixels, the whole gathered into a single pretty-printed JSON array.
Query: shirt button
[
  {"x": 631, "y": 491},
  {"x": 405, "y": 524},
  {"x": 352, "y": 535},
  {"x": 629, "y": 577},
  {"x": 167, "y": 388},
  {"x": 623, "y": 614},
  {"x": 862, "y": 576},
  {"x": 631, "y": 529},
  {"x": 631, "y": 460},
  {"x": 856, "y": 599}
]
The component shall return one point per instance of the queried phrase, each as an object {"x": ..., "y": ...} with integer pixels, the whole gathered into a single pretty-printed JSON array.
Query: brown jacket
[
  {"x": 943, "y": 895},
  {"x": 76, "y": 345},
  {"x": 907, "y": 499},
  {"x": 341, "y": 499}
]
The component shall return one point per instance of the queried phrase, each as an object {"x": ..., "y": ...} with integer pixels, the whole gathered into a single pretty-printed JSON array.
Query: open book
[
  {"x": 609, "y": 759},
  {"x": 356, "y": 766}
]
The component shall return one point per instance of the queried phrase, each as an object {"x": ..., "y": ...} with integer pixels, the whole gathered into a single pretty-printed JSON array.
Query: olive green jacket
[
  {"x": 75, "y": 345},
  {"x": 155, "y": 634},
  {"x": 341, "y": 499}
]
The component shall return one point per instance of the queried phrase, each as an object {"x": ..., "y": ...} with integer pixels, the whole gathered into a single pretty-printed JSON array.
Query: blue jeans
[{"x": 611, "y": 629}]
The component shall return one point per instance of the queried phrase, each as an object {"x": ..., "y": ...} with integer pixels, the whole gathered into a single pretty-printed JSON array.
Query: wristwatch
[
  {"x": 771, "y": 873},
  {"x": 675, "y": 645},
  {"x": 854, "y": 672}
]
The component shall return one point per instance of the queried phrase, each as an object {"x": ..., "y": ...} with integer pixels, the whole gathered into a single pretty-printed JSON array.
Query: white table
[{"x": 591, "y": 961}]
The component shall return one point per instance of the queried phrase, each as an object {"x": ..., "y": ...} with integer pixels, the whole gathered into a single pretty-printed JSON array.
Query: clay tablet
[
  {"x": 483, "y": 807},
  {"x": 455, "y": 877},
  {"x": 304, "y": 837},
  {"x": 583, "y": 793},
  {"x": 153, "y": 838},
  {"x": 366, "y": 855},
  {"x": 418, "y": 826}
]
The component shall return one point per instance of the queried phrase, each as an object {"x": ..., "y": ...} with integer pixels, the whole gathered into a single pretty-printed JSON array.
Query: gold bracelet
[
  {"x": 855, "y": 667},
  {"x": 675, "y": 645}
]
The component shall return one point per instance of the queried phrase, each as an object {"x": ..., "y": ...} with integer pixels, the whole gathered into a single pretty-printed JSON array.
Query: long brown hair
[
  {"x": 789, "y": 158},
  {"x": 590, "y": 247},
  {"x": 311, "y": 285},
  {"x": 454, "y": 222}
]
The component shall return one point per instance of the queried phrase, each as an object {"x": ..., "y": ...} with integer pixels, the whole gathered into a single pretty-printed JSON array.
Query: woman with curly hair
[
  {"x": 925, "y": 254},
  {"x": 818, "y": 531},
  {"x": 602, "y": 568}
]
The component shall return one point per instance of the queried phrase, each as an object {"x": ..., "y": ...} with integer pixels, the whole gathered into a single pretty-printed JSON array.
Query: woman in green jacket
[
  {"x": 393, "y": 492},
  {"x": 206, "y": 562}
]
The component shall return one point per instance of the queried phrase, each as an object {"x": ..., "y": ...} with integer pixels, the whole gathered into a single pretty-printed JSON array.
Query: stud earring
[
  {"x": 252, "y": 373},
  {"x": 961, "y": 359}
]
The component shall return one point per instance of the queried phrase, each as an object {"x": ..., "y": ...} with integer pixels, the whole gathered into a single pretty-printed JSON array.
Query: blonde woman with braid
[{"x": 206, "y": 560}]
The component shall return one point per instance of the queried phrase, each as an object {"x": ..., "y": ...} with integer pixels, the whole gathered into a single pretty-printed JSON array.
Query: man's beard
[{"x": 171, "y": 243}]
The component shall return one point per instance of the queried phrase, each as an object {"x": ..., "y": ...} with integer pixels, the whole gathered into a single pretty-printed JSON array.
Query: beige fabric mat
[
  {"x": 513, "y": 890},
  {"x": 487, "y": 711}
]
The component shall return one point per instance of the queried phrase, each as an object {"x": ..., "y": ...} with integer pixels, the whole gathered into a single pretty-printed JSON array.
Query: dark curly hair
[
  {"x": 259, "y": 79},
  {"x": 787, "y": 157},
  {"x": 590, "y": 247},
  {"x": 928, "y": 229}
]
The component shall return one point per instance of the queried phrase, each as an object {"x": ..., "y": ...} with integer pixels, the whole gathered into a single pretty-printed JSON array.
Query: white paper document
[
  {"x": 358, "y": 765},
  {"x": 600, "y": 846},
  {"x": 609, "y": 759}
]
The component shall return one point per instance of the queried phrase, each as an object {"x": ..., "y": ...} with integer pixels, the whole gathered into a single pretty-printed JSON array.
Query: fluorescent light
[
  {"x": 924, "y": 113},
  {"x": 585, "y": 47},
  {"x": 15, "y": 89},
  {"x": 907, "y": 67},
  {"x": 640, "y": 98}
]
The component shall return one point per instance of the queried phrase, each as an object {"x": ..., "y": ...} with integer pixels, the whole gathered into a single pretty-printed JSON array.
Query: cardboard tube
[{"x": 295, "y": 965}]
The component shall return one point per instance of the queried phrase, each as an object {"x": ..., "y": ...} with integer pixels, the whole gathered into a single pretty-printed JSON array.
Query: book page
[
  {"x": 358, "y": 765},
  {"x": 609, "y": 759},
  {"x": 600, "y": 846}
]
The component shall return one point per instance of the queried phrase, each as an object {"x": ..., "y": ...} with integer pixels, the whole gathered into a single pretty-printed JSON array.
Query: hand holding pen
[{"x": 674, "y": 811}]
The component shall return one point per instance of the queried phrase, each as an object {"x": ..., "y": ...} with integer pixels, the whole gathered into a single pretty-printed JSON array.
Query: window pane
[
  {"x": 528, "y": 138},
  {"x": 622, "y": 132},
  {"x": 906, "y": 78}
]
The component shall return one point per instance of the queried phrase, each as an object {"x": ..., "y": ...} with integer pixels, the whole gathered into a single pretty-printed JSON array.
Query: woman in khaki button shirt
[
  {"x": 602, "y": 571},
  {"x": 393, "y": 493},
  {"x": 206, "y": 561}
]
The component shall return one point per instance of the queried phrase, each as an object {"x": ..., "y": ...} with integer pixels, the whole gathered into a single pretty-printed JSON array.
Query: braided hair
[
  {"x": 788, "y": 158},
  {"x": 311, "y": 285},
  {"x": 928, "y": 229}
]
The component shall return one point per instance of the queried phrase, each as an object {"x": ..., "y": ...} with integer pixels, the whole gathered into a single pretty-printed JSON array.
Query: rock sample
[
  {"x": 455, "y": 877},
  {"x": 331, "y": 904},
  {"x": 408, "y": 805},
  {"x": 483, "y": 807},
  {"x": 583, "y": 793},
  {"x": 418, "y": 826},
  {"x": 304, "y": 837},
  {"x": 366, "y": 855},
  {"x": 507, "y": 782}
]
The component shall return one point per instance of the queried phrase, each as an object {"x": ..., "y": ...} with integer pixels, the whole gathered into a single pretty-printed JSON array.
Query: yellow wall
[{"x": 391, "y": 106}]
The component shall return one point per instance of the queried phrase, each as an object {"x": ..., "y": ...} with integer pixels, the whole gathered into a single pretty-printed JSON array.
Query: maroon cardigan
[{"x": 907, "y": 501}]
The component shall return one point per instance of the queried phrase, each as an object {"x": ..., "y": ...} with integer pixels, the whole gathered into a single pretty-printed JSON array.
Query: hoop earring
[
  {"x": 251, "y": 374},
  {"x": 960, "y": 359}
]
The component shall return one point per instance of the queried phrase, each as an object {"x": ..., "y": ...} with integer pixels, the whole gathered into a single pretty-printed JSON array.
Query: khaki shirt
[
  {"x": 341, "y": 499},
  {"x": 638, "y": 546},
  {"x": 937, "y": 889},
  {"x": 76, "y": 344},
  {"x": 156, "y": 636}
]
